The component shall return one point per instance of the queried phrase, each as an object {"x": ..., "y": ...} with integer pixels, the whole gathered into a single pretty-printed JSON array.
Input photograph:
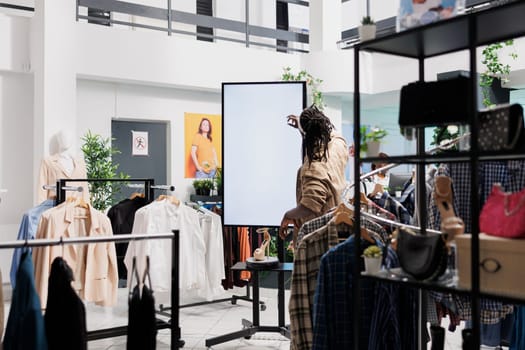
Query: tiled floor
[{"x": 199, "y": 323}]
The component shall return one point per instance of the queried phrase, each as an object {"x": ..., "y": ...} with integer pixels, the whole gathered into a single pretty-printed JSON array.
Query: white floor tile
[{"x": 198, "y": 323}]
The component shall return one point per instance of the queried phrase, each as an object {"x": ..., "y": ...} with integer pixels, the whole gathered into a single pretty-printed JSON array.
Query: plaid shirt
[
  {"x": 511, "y": 176},
  {"x": 307, "y": 258},
  {"x": 315, "y": 224},
  {"x": 394, "y": 316},
  {"x": 333, "y": 315},
  {"x": 392, "y": 205}
]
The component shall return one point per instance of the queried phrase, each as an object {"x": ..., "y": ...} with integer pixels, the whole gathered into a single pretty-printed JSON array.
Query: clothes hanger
[
  {"x": 81, "y": 203},
  {"x": 78, "y": 202},
  {"x": 366, "y": 235},
  {"x": 171, "y": 199},
  {"x": 146, "y": 274},
  {"x": 134, "y": 273},
  {"x": 343, "y": 215},
  {"x": 136, "y": 195},
  {"x": 61, "y": 247}
]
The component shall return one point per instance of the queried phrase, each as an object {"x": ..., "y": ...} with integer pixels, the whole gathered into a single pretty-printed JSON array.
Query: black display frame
[{"x": 225, "y": 156}]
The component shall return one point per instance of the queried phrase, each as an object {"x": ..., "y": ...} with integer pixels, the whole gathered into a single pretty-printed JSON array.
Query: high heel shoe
[
  {"x": 450, "y": 223},
  {"x": 259, "y": 253}
]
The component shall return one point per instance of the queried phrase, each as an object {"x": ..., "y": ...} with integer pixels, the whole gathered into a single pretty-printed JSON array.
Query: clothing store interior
[{"x": 289, "y": 174}]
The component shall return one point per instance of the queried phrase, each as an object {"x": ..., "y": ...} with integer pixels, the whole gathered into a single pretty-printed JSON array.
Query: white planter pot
[
  {"x": 367, "y": 32},
  {"x": 372, "y": 148},
  {"x": 372, "y": 265}
]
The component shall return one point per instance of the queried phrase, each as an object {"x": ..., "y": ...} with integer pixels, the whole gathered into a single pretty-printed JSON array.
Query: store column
[
  {"x": 53, "y": 60},
  {"x": 325, "y": 25}
]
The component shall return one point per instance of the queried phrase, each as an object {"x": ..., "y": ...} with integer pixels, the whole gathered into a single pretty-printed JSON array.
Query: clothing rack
[
  {"x": 233, "y": 299},
  {"x": 149, "y": 189},
  {"x": 65, "y": 188},
  {"x": 172, "y": 324},
  {"x": 430, "y": 151},
  {"x": 157, "y": 187}
]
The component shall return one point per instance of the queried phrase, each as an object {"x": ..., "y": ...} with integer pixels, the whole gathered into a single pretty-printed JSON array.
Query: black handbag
[
  {"x": 435, "y": 103},
  {"x": 501, "y": 128},
  {"x": 424, "y": 257}
]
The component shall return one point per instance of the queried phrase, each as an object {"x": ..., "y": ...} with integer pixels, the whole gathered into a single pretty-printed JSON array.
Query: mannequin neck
[{"x": 66, "y": 160}]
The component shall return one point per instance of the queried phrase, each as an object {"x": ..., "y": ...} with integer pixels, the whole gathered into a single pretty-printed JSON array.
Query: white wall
[
  {"x": 14, "y": 40},
  {"x": 104, "y": 53},
  {"x": 16, "y": 156},
  {"x": 99, "y": 102}
]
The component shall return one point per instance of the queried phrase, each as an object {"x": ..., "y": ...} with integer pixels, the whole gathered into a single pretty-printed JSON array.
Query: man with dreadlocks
[{"x": 321, "y": 178}]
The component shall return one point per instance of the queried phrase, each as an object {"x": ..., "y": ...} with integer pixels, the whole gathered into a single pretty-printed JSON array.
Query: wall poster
[
  {"x": 413, "y": 13},
  {"x": 203, "y": 144},
  {"x": 139, "y": 145}
]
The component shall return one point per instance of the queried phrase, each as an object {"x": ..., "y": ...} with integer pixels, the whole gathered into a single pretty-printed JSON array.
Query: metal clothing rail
[
  {"x": 172, "y": 324},
  {"x": 148, "y": 186},
  {"x": 430, "y": 151},
  {"x": 157, "y": 187},
  {"x": 65, "y": 188}
]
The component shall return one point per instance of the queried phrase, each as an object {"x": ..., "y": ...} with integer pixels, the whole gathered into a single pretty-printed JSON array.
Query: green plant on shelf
[
  {"x": 494, "y": 68},
  {"x": 203, "y": 186},
  {"x": 367, "y": 20},
  {"x": 444, "y": 134},
  {"x": 375, "y": 134},
  {"x": 373, "y": 251}
]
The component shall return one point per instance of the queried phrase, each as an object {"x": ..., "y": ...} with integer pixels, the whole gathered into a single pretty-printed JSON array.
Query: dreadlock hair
[{"x": 317, "y": 129}]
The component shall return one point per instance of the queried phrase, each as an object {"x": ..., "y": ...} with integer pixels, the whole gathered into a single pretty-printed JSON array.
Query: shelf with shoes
[{"x": 464, "y": 32}]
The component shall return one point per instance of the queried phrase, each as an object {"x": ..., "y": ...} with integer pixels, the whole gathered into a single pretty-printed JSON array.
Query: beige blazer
[
  {"x": 94, "y": 265},
  {"x": 51, "y": 170}
]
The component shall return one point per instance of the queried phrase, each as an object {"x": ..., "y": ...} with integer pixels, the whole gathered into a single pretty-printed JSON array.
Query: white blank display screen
[{"x": 261, "y": 153}]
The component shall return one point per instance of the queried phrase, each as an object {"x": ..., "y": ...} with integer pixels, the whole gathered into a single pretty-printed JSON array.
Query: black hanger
[
  {"x": 134, "y": 273},
  {"x": 146, "y": 274}
]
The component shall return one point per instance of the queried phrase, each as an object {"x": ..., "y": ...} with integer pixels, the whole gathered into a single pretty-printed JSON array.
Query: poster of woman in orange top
[{"x": 203, "y": 144}]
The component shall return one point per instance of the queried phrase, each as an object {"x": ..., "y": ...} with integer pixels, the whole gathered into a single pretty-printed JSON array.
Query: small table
[{"x": 252, "y": 327}]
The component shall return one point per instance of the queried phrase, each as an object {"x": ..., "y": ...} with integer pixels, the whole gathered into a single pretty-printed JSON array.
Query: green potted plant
[
  {"x": 495, "y": 68},
  {"x": 370, "y": 140},
  {"x": 97, "y": 154},
  {"x": 373, "y": 257},
  {"x": 203, "y": 186},
  {"x": 367, "y": 29}
]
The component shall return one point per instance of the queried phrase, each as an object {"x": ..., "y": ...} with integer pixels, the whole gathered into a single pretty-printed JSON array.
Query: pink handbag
[{"x": 503, "y": 214}]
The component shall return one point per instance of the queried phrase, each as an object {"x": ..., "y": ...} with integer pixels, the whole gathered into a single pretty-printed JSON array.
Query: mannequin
[
  {"x": 62, "y": 165},
  {"x": 64, "y": 141}
]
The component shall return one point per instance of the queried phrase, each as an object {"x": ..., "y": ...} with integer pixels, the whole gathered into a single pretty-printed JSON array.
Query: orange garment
[
  {"x": 204, "y": 153},
  {"x": 244, "y": 249}
]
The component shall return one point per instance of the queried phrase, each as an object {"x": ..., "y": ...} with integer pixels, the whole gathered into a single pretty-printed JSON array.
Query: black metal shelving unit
[{"x": 464, "y": 32}]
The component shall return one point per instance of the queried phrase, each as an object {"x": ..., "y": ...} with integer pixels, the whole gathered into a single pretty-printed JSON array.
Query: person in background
[
  {"x": 381, "y": 177},
  {"x": 203, "y": 153},
  {"x": 321, "y": 178}
]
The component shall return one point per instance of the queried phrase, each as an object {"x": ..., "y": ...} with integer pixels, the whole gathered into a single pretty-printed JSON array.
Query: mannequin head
[{"x": 64, "y": 140}]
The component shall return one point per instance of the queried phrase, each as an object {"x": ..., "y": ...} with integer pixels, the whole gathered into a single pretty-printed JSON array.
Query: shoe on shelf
[
  {"x": 450, "y": 223},
  {"x": 259, "y": 253}
]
